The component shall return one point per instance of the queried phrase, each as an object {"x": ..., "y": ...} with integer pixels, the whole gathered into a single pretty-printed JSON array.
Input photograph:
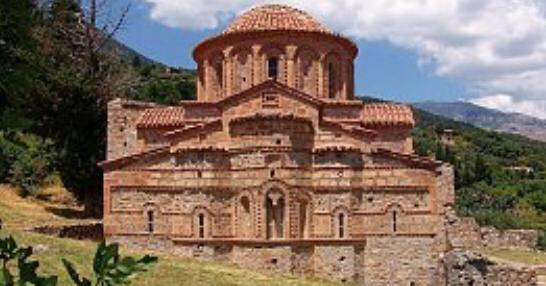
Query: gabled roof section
[
  {"x": 351, "y": 130},
  {"x": 172, "y": 116},
  {"x": 124, "y": 161},
  {"x": 193, "y": 128},
  {"x": 392, "y": 114},
  {"x": 410, "y": 159},
  {"x": 270, "y": 85}
]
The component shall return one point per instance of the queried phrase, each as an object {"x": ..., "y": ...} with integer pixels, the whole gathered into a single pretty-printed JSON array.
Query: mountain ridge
[{"x": 514, "y": 123}]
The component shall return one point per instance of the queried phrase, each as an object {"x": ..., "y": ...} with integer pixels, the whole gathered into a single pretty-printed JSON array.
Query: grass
[
  {"x": 518, "y": 255},
  {"x": 21, "y": 213},
  {"x": 170, "y": 270}
]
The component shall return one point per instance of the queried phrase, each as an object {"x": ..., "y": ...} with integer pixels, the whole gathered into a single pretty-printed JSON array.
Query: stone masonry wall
[
  {"x": 465, "y": 268},
  {"x": 520, "y": 238},
  {"x": 464, "y": 232},
  {"x": 392, "y": 260}
]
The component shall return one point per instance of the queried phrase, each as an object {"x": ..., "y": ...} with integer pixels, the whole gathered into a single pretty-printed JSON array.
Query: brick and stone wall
[
  {"x": 512, "y": 238},
  {"x": 466, "y": 268},
  {"x": 464, "y": 232}
]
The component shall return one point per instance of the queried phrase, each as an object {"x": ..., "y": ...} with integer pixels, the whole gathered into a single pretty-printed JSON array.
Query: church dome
[{"x": 274, "y": 17}]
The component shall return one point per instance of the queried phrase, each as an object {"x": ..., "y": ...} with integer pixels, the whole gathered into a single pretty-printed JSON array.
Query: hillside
[{"x": 514, "y": 123}]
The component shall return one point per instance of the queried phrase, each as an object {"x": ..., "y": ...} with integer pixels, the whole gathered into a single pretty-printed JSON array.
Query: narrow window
[
  {"x": 150, "y": 215},
  {"x": 331, "y": 81},
  {"x": 272, "y": 68},
  {"x": 341, "y": 224},
  {"x": 394, "y": 226},
  {"x": 201, "y": 225}
]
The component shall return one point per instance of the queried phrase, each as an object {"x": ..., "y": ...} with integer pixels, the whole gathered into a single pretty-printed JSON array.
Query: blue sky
[{"x": 410, "y": 50}]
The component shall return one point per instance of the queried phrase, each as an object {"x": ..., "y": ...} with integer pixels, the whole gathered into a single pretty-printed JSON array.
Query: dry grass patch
[
  {"x": 170, "y": 270},
  {"x": 22, "y": 213},
  {"x": 518, "y": 255}
]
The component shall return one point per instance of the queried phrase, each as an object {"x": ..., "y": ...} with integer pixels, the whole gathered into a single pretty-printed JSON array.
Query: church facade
[{"x": 276, "y": 165}]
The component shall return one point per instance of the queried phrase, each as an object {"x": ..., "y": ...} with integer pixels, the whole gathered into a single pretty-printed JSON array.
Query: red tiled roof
[
  {"x": 122, "y": 161},
  {"x": 274, "y": 17},
  {"x": 387, "y": 114},
  {"x": 414, "y": 159},
  {"x": 336, "y": 149},
  {"x": 194, "y": 127},
  {"x": 350, "y": 129},
  {"x": 171, "y": 116}
]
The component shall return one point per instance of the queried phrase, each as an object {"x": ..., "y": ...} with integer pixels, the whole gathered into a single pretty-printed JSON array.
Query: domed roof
[{"x": 274, "y": 17}]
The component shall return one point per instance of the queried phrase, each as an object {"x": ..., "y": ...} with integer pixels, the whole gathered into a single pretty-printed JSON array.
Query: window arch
[
  {"x": 341, "y": 223},
  {"x": 332, "y": 76},
  {"x": 307, "y": 71},
  {"x": 272, "y": 62},
  {"x": 217, "y": 75},
  {"x": 150, "y": 224},
  {"x": 201, "y": 224},
  {"x": 272, "y": 68},
  {"x": 242, "y": 70},
  {"x": 244, "y": 219},
  {"x": 275, "y": 214}
]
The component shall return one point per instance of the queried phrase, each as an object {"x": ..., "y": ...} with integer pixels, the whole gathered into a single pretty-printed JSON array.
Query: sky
[{"x": 489, "y": 52}]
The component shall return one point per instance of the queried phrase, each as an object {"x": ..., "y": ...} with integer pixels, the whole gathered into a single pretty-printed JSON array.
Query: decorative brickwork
[{"x": 275, "y": 165}]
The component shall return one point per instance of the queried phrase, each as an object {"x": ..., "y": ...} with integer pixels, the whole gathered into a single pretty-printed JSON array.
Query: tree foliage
[{"x": 500, "y": 179}]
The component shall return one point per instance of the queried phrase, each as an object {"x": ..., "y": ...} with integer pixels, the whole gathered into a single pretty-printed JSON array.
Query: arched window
[
  {"x": 272, "y": 68},
  {"x": 331, "y": 81},
  {"x": 274, "y": 214},
  {"x": 217, "y": 75},
  {"x": 201, "y": 225},
  {"x": 341, "y": 225},
  {"x": 304, "y": 217},
  {"x": 150, "y": 221},
  {"x": 394, "y": 226},
  {"x": 245, "y": 218}
]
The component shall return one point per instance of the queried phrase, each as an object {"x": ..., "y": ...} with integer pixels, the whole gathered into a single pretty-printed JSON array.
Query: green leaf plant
[
  {"x": 14, "y": 257},
  {"x": 110, "y": 269}
]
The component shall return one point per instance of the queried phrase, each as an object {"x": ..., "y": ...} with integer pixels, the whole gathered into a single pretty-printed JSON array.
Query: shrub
[{"x": 26, "y": 160}]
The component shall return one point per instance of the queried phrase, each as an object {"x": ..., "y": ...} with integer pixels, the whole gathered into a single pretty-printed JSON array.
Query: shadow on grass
[{"x": 67, "y": 212}]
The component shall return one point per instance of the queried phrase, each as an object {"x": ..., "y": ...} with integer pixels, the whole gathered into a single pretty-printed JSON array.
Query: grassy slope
[{"x": 18, "y": 213}]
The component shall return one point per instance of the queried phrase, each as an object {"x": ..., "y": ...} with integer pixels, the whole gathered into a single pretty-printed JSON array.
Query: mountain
[
  {"x": 116, "y": 47},
  {"x": 514, "y": 123}
]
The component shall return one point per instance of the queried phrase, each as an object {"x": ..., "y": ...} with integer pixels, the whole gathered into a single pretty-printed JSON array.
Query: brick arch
[
  {"x": 341, "y": 222},
  {"x": 245, "y": 215},
  {"x": 394, "y": 212},
  {"x": 304, "y": 211},
  {"x": 242, "y": 72},
  {"x": 332, "y": 75},
  {"x": 273, "y": 50},
  {"x": 151, "y": 217},
  {"x": 276, "y": 206},
  {"x": 307, "y": 70},
  {"x": 215, "y": 77},
  {"x": 206, "y": 231}
]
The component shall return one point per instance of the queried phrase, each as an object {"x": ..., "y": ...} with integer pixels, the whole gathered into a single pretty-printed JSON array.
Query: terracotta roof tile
[
  {"x": 162, "y": 117},
  {"x": 274, "y": 17},
  {"x": 387, "y": 114}
]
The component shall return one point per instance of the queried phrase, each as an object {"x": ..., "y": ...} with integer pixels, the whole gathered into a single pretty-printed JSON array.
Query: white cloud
[
  {"x": 508, "y": 103},
  {"x": 493, "y": 46}
]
